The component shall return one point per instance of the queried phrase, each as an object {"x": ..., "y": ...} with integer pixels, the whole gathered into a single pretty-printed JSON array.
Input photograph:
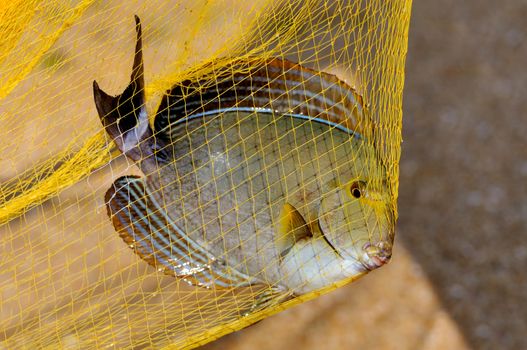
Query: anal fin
[{"x": 145, "y": 226}]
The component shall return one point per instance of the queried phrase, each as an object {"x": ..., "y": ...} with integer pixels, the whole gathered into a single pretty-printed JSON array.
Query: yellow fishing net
[{"x": 67, "y": 279}]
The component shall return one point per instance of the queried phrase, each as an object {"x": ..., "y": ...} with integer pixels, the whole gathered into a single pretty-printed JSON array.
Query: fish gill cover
[{"x": 231, "y": 160}]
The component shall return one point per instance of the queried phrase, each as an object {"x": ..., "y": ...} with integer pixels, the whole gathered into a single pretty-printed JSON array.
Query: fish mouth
[{"x": 376, "y": 255}]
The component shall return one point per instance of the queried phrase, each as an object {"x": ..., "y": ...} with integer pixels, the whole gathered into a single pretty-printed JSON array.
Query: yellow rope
[
  {"x": 64, "y": 286},
  {"x": 91, "y": 156},
  {"x": 219, "y": 331},
  {"x": 16, "y": 76}
]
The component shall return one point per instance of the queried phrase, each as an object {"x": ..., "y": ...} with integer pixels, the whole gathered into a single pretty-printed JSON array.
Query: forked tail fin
[{"x": 124, "y": 116}]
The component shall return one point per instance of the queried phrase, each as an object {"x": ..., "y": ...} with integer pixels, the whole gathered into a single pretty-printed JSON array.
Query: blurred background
[{"x": 457, "y": 278}]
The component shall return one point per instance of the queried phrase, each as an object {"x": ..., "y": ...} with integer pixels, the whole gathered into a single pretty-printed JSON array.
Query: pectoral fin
[
  {"x": 145, "y": 226},
  {"x": 292, "y": 228}
]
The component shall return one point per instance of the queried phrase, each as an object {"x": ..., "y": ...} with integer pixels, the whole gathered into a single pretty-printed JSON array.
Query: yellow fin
[
  {"x": 269, "y": 298},
  {"x": 292, "y": 228}
]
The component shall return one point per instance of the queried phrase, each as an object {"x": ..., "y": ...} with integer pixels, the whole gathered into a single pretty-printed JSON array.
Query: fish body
[
  {"x": 253, "y": 178},
  {"x": 232, "y": 173}
]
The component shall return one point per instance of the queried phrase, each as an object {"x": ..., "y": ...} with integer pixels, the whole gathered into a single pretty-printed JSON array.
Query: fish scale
[
  {"x": 258, "y": 177},
  {"x": 246, "y": 166}
]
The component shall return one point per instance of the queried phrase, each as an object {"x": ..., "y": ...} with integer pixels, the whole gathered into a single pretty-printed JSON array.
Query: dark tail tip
[
  {"x": 122, "y": 113},
  {"x": 137, "y": 69},
  {"x": 105, "y": 104}
]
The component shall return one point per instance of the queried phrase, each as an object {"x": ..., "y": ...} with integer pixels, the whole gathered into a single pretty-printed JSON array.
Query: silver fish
[{"x": 252, "y": 177}]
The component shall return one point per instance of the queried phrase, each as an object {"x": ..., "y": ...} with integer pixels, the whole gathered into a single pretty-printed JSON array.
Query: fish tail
[{"x": 124, "y": 116}]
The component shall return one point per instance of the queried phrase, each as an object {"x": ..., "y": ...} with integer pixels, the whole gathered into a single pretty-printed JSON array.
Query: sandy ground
[{"x": 463, "y": 204}]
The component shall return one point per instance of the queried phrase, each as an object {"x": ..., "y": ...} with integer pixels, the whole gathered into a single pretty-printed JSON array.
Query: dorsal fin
[
  {"x": 124, "y": 116},
  {"x": 275, "y": 84},
  {"x": 146, "y": 228}
]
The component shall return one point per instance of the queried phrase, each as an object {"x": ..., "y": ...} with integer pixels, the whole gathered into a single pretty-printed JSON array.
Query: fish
[{"x": 253, "y": 175}]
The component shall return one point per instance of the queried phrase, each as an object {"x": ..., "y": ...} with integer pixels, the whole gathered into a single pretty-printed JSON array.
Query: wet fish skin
[
  {"x": 227, "y": 214},
  {"x": 227, "y": 185}
]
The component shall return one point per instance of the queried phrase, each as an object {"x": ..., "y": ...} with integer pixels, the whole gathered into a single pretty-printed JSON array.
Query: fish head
[{"x": 357, "y": 219}]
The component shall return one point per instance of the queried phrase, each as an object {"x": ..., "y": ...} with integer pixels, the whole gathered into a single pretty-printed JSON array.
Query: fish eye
[{"x": 355, "y": 190}]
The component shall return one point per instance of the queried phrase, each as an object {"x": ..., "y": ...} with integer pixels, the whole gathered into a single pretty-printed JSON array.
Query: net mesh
[{"x": 67, "y": 279}]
